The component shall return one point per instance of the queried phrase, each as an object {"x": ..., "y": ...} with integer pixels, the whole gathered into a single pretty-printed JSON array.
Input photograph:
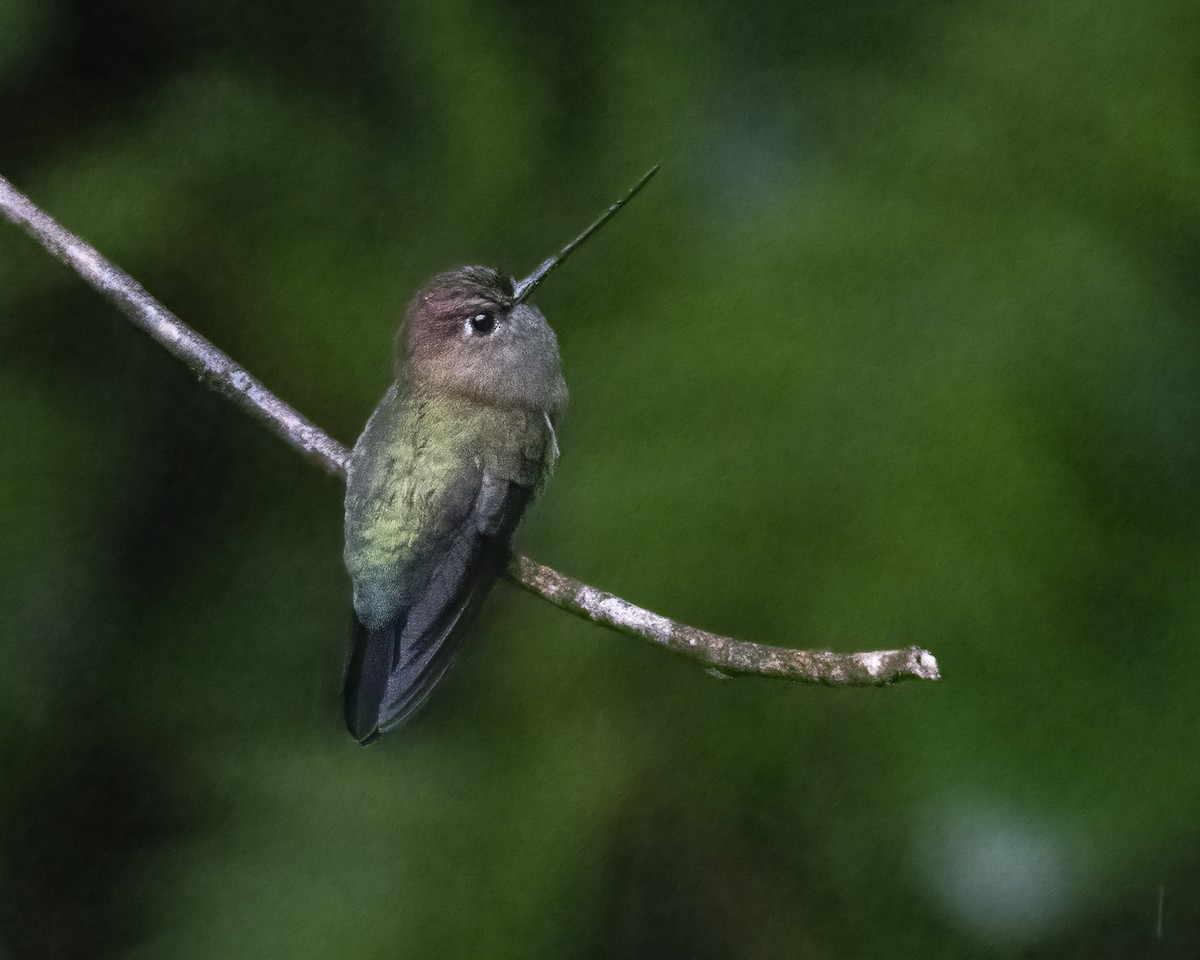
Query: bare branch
[{"x": 216, "y": 370}]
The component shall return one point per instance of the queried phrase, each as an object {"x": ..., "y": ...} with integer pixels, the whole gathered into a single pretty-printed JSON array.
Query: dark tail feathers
[{"x": 371, "y": 662}]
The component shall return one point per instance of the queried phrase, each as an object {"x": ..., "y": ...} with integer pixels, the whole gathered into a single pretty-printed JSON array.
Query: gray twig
[{"x": 723, "y": 655}]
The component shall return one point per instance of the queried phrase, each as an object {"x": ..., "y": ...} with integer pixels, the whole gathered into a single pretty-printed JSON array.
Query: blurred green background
[{"x": 901, "y": 346}]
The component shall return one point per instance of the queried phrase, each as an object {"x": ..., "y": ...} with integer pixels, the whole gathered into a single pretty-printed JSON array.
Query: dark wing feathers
[{"x": 394, "y": 668}]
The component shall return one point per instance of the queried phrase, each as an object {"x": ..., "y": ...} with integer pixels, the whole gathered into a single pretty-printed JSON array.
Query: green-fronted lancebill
[{"x": 441, "y": 476}]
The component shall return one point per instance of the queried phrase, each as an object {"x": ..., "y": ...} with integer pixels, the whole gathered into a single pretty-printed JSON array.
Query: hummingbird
[{"x": 441, "y": 476}]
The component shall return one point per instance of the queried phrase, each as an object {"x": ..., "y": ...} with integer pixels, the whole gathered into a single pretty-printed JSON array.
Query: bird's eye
[{"x": 483, "y": 323}]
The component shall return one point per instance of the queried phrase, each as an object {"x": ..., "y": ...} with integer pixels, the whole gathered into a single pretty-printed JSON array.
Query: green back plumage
[{"x": 415, "y": 474}]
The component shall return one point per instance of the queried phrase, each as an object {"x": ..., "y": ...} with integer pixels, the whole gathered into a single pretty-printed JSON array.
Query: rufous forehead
[{"x": 468, "y": 283}]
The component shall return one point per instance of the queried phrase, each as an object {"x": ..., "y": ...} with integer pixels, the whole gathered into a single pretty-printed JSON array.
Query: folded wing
[{"x": 406, "y": 638}]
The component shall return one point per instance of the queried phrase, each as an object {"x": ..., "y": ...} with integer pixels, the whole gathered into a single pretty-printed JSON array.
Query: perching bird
[{"x": 440, "y": 477}]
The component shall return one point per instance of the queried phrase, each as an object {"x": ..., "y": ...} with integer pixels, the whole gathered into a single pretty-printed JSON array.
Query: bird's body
[
  {"x": 441, "y": 476},
  {"x": 438, "y": 482}
]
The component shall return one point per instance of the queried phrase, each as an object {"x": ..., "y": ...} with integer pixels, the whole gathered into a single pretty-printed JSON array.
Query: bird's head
[
  {"x": 466, "y": 333},
  {"x": 470, "y": 331}
]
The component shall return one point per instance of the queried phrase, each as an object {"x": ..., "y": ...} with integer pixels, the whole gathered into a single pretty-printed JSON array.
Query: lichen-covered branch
[
  {"x": 727, "y": 656},
  {"x": 210, "y": 365},
  {"x": 218, "y": 371}
]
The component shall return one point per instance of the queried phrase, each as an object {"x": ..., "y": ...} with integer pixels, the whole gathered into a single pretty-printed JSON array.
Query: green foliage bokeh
[{"x": 900, "y": 347}]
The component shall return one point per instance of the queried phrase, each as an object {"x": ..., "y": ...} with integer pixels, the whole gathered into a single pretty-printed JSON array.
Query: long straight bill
[{"x": 525, "y": 287}]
